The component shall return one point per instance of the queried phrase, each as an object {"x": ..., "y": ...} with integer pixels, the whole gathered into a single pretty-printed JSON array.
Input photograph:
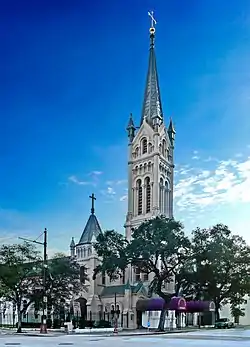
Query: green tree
[
  {"x": 21, "y": 278},
  {"x": 157, "y": 247},
  {"x": 236, "y": 309},
  {"x": 17, "y": 274},
  {"x": 221, "y": 265},
  {"x": 64, "y": 281}
]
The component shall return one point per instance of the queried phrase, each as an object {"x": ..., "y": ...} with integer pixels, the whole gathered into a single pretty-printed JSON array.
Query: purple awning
[
  {"x": 200, "y": 306},
  {"x": 157, "y": 304}
]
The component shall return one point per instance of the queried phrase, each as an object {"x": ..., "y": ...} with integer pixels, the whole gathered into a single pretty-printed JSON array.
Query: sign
[
  {"x": 148, "y": 324},
  {"x": 43, "y": 329}
]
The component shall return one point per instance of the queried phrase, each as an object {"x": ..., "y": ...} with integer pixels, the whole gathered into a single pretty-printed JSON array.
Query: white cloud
[
  {"x": 210, "y": 159},
  {"x": 116, "y": 182},
  {"x": 109, "y": 193},
  {"x": 95, "y": 173},
  {"x": 123, "y": 198},
  {"x": 93, "y": 180},
  {"x": 195, "y": 157},
  {"x": 75, "y": 180},
  {"x": 228, "y": 182}
]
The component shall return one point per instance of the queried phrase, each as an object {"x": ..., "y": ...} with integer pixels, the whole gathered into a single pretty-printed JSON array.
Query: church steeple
[
  {"x": 92, "y": 228},
  {"x": 152, "y": 107},
  {"x": 151, "y": 154}
]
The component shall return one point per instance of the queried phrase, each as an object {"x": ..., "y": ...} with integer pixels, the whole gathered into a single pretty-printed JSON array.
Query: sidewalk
[{"x": 123, "y": 333}]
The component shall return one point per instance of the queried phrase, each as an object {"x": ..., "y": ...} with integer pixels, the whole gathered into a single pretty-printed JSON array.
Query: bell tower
[{"x": 150, "y": 154}]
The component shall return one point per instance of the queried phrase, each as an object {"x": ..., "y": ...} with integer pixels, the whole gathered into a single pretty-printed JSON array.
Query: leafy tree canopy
[
  {"x": 63, "y": 281},
  {"x": 18, "y": 268},
  {"x": 158, "y": 246},
  {"x": 218, "y": 268},
  {"x": 21, "y": 277}
]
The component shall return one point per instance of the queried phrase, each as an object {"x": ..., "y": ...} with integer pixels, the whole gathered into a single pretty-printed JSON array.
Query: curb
[{"x": 156, "y": 333}]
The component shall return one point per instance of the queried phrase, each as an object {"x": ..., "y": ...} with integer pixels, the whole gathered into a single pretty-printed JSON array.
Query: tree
[
  {"x": 21, "y": 278},
  {"x": 222, "y": 266},
  {"x": 236, "y": 309},
  {"x": 17, "y": 277},
  {"x": 63, "y": 280},
  {"x": 157, "y": 247}
]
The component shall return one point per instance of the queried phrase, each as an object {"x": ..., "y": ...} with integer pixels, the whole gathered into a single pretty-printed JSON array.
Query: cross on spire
[
  {"x": 93, "y": 198},
  {"x": 153, "y": 21}
]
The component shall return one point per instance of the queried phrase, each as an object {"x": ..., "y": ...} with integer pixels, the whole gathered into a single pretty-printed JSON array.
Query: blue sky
[{"x": 70, "y": 74}]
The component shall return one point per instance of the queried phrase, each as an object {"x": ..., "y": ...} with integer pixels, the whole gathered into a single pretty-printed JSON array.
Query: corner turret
[
  {"x": 131, "y": 129},
  {"x": 72, "y": 247},
  {"x": 171, "y": 132}
]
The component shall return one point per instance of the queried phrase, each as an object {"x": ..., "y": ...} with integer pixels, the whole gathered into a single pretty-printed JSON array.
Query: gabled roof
[
  {"x": 91, "y": 230},
  {"x": 110, "y": 291}
]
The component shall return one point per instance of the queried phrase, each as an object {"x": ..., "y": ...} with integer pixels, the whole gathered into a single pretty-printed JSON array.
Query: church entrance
[{"x": 83, "y": 307}]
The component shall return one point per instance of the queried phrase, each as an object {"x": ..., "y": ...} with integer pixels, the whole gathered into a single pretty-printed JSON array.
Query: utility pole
[
  {"x": 115, "y": 316},
  {"x": 43, "y": 328}
]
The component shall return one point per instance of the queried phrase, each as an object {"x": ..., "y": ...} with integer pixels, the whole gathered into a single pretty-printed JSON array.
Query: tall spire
[{"x": 152, "y": 108}]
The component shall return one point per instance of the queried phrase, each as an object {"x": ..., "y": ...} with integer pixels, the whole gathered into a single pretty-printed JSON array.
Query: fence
[{"x": 31, "y": 319}]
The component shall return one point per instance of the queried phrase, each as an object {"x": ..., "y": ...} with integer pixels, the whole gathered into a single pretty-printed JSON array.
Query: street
[{"x": 211, "y": 338}]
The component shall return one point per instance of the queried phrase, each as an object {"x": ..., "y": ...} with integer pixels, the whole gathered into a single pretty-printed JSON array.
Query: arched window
[
  {"x": 149, "y": 147},
  {"x": 148, "y": 194},
  {"x": 84, "y": 252},
  {"x": 164, "y": 148},
  {"x": 83, "y": 274},
  {"x": 144, "y": 146},
  {"x": 161, "y": 195},
  {"x": 139, "y": 197},
  {"x": 137, "y": 152},
  {"x": 81, "y": 253},
  {"x": 166, "y": 198},
  {"x": 89, "y": 251}
]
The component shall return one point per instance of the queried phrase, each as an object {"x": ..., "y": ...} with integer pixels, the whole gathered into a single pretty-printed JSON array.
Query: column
[
  {"x": 136, "y": 201},
  {"x": 144, "y": 198},
  {"x": 133, "y": 202},
  {"x": 160, "y": 203}
]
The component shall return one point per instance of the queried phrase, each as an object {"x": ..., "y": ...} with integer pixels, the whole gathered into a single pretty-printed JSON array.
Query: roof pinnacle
[
  {"x": 93, "y": 198},
  {"x": 152, "y": 107}
]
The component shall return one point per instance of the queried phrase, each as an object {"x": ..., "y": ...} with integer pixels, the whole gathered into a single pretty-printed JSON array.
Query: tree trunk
[
  {"x": 162, "y": 320},
  {"x": 19, "y": 319},
  {"x": 217, "y": 311}
]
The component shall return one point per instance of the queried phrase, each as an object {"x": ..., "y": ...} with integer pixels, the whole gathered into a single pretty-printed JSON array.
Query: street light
[{"x": 43, "y": 328}]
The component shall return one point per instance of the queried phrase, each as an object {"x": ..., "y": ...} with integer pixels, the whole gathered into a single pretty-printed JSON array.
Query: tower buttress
[{"x": 72, "y": 247}]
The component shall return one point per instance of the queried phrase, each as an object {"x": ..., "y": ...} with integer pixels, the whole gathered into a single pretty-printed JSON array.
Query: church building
[{"x": 150, "y": 193}]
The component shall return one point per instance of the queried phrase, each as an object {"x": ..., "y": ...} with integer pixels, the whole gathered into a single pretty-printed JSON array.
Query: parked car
[{"x": 224, "y": 323}]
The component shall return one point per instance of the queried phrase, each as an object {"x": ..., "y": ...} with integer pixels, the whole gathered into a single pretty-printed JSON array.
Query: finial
[
  {"x": 153, "y": 22},
  {"x": 93, "y": 198},
  {"x": 131, "y": 128},
  {"x": 72, "y": 244}
]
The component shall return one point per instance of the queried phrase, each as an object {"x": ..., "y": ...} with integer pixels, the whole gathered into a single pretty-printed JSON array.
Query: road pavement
[{"x": 209, "y": 338}]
